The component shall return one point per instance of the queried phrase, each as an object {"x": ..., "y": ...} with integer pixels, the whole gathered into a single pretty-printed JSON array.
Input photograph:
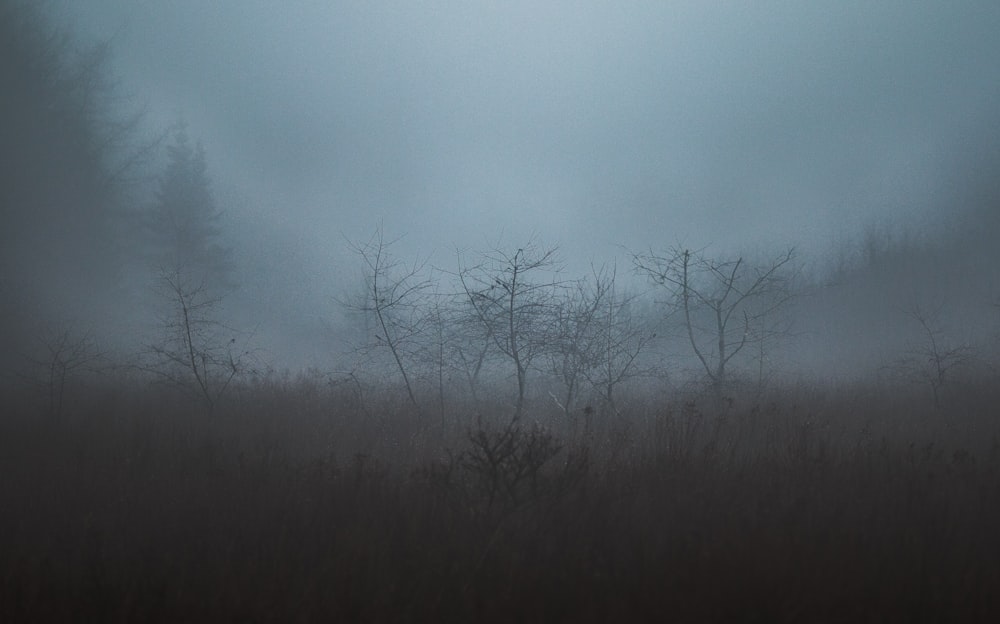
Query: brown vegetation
[{"x": 296, "y": 502}]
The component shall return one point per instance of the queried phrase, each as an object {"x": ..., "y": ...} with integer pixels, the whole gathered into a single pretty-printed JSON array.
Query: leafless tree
[
  {"x": 732, "y": 294},
  {"x": 512, "y": 295},
  {"x": 436, "y": 349},
  {"x": 573, "y": 344},
  {"x": 395, "y": 297},
  {"x": 63, "y": 354},
  {"x": 197, "y": 351},
  {"x": 619, "y": 339},
  {"x": 453, "y": 344},
  {"x": 932, "y": 360},
  {"x": 450, "y": 347},
  {"x": 472, "y": 347}
]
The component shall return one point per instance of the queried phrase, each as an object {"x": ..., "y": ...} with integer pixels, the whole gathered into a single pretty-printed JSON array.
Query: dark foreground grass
[{"x": 295, "y": 505}]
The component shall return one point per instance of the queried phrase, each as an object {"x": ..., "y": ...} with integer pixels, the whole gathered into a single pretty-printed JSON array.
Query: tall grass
[{"x": 297, "y": 501}]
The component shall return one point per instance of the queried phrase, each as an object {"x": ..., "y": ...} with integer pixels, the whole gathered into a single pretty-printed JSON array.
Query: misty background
[{"x": 864, "y": 136}]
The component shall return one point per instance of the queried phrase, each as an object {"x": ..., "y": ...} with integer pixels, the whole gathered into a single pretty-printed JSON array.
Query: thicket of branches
[{"x": 512, "y": 311}]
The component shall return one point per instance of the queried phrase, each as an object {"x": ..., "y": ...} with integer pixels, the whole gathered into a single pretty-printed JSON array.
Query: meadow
[{"x": 300, "y": 501}]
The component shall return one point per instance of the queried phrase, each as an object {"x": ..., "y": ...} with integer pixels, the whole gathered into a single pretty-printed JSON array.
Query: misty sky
[{"x": 593, "y": 124}]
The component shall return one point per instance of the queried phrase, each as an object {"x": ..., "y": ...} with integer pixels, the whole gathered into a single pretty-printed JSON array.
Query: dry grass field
[{"x": 295, "y": 502}]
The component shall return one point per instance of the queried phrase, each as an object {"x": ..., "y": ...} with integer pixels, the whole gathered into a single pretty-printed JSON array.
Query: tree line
[
  {"x": 512, "y": 311},
  {"x": 93, "y": 210},
  {"x": 89, "y": 217}
]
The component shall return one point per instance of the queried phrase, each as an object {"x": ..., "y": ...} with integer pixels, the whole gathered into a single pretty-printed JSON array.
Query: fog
[
  {"x": 499, "y": 311},
  {"x": 601, "y": 129},
  {"x": 596, "y": 126}
]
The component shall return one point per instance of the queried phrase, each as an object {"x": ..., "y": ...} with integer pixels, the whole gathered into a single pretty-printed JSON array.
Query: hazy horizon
[
  {"x": 598, "y": 128},
  {"x": 595, "y": 125}
]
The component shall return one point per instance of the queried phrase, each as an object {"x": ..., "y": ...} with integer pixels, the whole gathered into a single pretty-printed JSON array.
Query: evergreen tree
[
  {"x": 184, "y": 221},
  {"x": 65, "y": 152}
]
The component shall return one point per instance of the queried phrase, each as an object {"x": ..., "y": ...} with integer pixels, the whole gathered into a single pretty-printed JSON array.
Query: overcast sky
[{"x": 593, "y": 124}]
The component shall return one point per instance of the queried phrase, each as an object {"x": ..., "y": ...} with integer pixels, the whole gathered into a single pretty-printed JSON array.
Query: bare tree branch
[
  {"x": 513, "y": 305},
  {"x": 724, "y": 290},
  {"x": 197, "y": 351},
  {"x": 394, "y": 294},
  {"x": 932, "y": 360}
]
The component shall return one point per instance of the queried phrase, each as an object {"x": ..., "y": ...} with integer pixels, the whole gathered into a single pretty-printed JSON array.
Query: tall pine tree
[
  {"x": 183, "y": 224},
  {"x": 65, "y": 150}
]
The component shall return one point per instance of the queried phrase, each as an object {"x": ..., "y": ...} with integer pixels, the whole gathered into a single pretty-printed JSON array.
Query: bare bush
[{"x": 502, "y": 470}]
